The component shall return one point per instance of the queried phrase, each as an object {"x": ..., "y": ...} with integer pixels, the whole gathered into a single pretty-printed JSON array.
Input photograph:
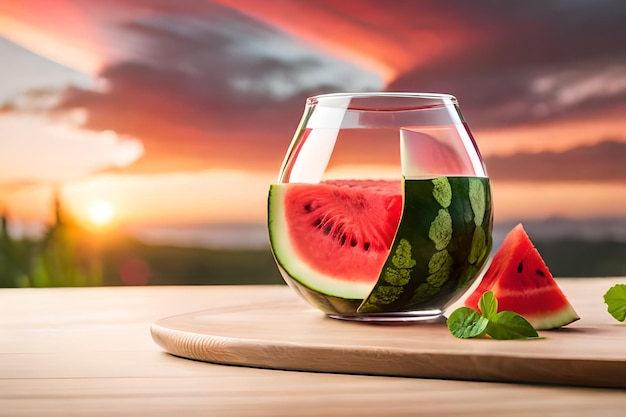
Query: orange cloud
[
  {"x": 389, "y": 39},
  {"x": 222, "y": 84}
]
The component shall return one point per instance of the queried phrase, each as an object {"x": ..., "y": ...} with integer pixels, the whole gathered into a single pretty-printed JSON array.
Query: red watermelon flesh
[
  {"x": 360, "y": 217},
  {"x": 335, "y": 236},
  {"x": 522, "y": 283}
]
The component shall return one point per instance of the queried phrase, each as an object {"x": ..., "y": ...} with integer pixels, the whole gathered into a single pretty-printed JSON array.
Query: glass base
[{"x": 407, "y": 317}]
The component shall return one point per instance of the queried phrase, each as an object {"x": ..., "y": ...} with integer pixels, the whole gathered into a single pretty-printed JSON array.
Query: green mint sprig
[
  {"x": 467, "y": 323},
  {"x": 615, "y": 299}
]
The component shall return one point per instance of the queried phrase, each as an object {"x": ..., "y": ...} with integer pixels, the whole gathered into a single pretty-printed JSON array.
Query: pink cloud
[{"x": 222, "y": 84}]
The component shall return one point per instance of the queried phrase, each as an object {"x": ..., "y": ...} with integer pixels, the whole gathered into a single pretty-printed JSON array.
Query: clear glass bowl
[{"x": 382, "y": 208}]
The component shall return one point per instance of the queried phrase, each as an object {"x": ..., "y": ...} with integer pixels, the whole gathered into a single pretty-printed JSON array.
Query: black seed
[
  {"x": 317, "y": 223},
  {"x": 327, "y": 229},
  {"x": 366, "y": 245},
  {"x": 540, "y": 273},
  {"x": 342, "y": 240},
  {"x": 308, "y": 208},
  {"x": 353, "y": 242},
  {"x": 520, "y": 267}
]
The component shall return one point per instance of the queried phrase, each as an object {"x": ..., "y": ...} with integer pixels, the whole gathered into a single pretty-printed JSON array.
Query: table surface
[{"x": 88, "y": 352}]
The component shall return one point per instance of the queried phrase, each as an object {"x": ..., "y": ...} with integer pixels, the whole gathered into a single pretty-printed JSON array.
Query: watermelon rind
[
  {"x": 329, "y": 304},
  {"x": 553, "y": 319},
  {"x": 522, "y": 283},
  {"x": 442, "y": 243},
  {"x": 294, "y": 266},
  {"x": 440, "y": 247}
]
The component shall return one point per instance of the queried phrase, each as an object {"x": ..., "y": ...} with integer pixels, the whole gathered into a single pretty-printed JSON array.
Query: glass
[{"x": 382, "y": 209}]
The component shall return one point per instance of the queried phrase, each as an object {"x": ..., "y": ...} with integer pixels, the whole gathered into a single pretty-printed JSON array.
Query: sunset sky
[{"x": 180, "y": 112}]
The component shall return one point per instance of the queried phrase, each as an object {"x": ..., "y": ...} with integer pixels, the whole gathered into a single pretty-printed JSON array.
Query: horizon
[
  {"x": 254, "y": 235},
  {"x": 181, "y": 114}
]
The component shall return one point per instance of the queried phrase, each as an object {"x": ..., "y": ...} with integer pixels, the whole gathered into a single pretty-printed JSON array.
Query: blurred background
[{"x": 138, "y": 138}]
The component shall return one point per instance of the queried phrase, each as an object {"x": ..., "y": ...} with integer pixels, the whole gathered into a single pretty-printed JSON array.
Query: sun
[{"x": 101, "y": 213}]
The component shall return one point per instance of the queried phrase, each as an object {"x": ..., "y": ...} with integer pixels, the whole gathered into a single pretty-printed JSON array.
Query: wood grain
[
  {"x": 287, "y": 334},
  {"x": 89, "y": 352}
]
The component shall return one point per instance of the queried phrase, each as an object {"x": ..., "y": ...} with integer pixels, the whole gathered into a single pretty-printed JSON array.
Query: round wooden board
[{"x": 280, "y": 331}]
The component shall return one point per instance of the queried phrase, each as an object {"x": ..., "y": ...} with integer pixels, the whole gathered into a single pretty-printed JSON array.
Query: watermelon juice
[{"x": 381, "y": 247}]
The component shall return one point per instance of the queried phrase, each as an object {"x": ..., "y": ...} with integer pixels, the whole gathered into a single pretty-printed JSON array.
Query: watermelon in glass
[{"x": 368, "y": 247}]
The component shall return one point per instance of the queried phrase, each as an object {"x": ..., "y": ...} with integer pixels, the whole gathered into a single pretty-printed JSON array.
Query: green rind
[
  {"x": 553, "y": 319},
  {"x": 326, "y": 303},
  {"x": 438, "y": 221},
  {"x": 407, "y": 281}
]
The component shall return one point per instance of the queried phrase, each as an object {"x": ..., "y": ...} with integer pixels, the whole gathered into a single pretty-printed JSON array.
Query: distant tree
[
  {"x": 67, "y": 255},
  {"x": 15, "y": 258}
]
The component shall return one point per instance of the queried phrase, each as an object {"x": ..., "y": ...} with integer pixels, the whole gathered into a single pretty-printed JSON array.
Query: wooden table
[{"x": 88, "y": 352}]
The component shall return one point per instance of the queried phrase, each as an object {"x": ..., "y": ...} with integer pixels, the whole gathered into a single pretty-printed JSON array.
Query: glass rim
[{"x": 327, "y": 99}]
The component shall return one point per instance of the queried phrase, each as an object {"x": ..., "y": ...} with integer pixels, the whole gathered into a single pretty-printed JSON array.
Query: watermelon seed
[
  {"x": 366, "y": 246},
  {"x": 353, "y": 242},
  {"x": 342, "y": 241},
  {"x": 520, "y": 267},
  {"x": 317, "y": 223},
  {"x": 308, "y": 208},
  {"x": 327, "y": 229},
  {"x": 540, "y": 273}
]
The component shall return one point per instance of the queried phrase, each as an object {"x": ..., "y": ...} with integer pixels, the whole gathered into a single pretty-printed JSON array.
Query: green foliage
[
  {"x": 65, "y": 256},
  {"x": 488, "y": 305},
  {"x": 171, "y": 265},
  {"x": 465, "y": 322},
  {"x": 507, "y": 325},
  {"x": 15, "y": 256},
  {"x": 68, "y": 255},
  {"x": 615, "y": 299}
]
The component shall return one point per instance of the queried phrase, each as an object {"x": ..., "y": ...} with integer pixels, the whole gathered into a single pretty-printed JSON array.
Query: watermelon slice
[
  {"x": 334, "y": 237},
  {"x": 369, "y": 247},
  {"x": 522, "y": 283}
]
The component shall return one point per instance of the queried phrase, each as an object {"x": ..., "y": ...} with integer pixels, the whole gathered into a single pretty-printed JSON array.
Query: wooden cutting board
[{"x": 280, "y": 331}]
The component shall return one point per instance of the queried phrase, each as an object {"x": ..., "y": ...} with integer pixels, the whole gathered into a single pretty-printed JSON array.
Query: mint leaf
[
  {"x": 465, "y": 323},
  {"x": 507, "y": 325},
  {"x": 488, "y": 305},
  {"x": 615, "y": 299}
]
